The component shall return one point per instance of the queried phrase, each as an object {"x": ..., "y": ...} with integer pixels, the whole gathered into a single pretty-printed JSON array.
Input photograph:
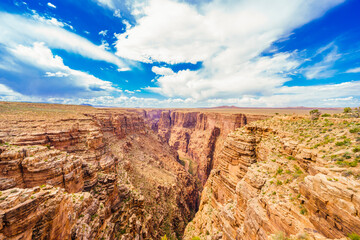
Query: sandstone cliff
[
  {"x": 286, "y": 177},
  {"x": 198, "y": 136},
  {"x": 70, "y": 172}
]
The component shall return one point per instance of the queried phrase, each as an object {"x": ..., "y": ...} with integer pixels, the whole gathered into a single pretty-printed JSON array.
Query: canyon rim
[{"x": 179, "y": 119}]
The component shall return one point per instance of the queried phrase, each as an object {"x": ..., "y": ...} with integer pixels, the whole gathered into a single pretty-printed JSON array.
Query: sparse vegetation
[
  {"x": 195, "y": 238},
  {"x": 280, "y": 236},
  {"x": 354, "y": 130},
  {"x": 315, "y": 114},
  {"x": 347, "y": 110},
  {"x": 354, "y": 236}
]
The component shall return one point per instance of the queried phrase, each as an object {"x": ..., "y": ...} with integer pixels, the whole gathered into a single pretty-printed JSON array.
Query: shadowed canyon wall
[{"x": 197, "y": 136}]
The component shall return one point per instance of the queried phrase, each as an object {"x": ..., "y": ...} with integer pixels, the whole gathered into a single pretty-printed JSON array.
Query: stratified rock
[{"x": 270, "y": 184}]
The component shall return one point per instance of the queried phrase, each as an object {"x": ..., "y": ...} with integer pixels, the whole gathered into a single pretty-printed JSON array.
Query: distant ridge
[{"x": 299, "y": 108}]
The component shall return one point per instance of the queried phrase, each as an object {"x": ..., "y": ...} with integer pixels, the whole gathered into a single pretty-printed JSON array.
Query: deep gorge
[{"x": 88, "y": 173}]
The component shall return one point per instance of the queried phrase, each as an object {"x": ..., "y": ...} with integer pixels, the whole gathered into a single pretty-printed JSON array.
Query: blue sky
[{"x": 181, "y": 53}]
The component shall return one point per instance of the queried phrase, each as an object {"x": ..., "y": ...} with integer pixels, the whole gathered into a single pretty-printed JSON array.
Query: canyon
[{"x": 79, "y": 172}]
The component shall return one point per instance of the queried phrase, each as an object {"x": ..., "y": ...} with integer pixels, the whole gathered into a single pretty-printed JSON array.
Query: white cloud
[
  {"x": 162, "y": 71},
  {"x": 227, "y": 37},
  {"x": 125, "y": 69},
  {"x": 26, "y": 31},
  {"x": 323, "y": 69},
  {"x": 353, "y": 70},
  {"x": 51, "y": 5},
  {"x": 310, "y": 96},
  {"x": 42, "y": 58},
  {"x": 106, "y": 3},
  {"x": 117, "y": 13},
  {"x": 56, "y": 74},
  {"x": 127, "y": 26},
  {"x": 103, "y": 32},
  {"x": 128, "y": 91},
  {"x": 6, "y": 91},
  {"x": 104, "y": 45}
]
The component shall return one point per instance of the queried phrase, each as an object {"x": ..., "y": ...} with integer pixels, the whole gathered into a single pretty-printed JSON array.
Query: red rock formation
[
  {"x": 198, "y": 136},
  {"x": 266, "y": 183},
  {"x": 99, "y": 172}
]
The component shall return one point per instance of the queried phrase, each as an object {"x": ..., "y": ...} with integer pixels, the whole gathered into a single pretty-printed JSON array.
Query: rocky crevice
[
  {"x": 91, "y": 177},
  {"x": 267, "y": 185},
  {"x": 198, "y": 136}
]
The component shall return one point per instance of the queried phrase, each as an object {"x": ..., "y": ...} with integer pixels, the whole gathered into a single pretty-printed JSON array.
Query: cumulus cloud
[
  {"x": 44, "y": 69},
  {"x": 117, "y": 13},
  {"x": 162, "y": 71},
  {"x": 103, "y": 32},
  {"x": 104, "y": 45},
  {"x": 51, "y": 5},
  {"x": 227, "y": 37},
  {"x": 27, "y": 30}
]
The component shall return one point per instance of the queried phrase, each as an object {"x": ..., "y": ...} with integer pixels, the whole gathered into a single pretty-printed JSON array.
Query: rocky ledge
[{"x": 284, "y": 178}]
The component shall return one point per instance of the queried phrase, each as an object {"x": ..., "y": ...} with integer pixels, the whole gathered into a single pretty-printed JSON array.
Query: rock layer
[
  {"x": 269, "y": 185},
  {"x": 88, "y": 173},
  {"x": 199, "y": 136}
]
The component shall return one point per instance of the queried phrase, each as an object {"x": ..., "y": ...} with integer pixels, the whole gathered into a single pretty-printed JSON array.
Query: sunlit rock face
[
  {"x": 198, "y": 136},
  {"x": 283, "y": 177},
  {"x": 85, "y": 173}
]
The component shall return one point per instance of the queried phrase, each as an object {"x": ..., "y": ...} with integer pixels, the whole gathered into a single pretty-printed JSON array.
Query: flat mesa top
[{"x": 53, "y": 110}]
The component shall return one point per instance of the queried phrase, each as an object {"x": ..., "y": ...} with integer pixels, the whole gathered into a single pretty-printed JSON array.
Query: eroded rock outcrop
[
  {"x": 283, "y": 177},
  {"x": 70, "y": 172},
  {"x": 198, "y": 136}
]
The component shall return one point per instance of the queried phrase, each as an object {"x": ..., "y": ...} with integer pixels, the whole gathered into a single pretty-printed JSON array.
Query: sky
[{"x": 181, "y": 53}]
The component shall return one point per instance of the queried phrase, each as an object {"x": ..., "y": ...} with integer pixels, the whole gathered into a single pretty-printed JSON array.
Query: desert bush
[
  {"x": 356, "y": 149},
  {"x": 347, "y": 110},
  {"x": 354, "y": 236},
  {"x": 315, "y": 114},
  {"x": 354, "y": 130}
]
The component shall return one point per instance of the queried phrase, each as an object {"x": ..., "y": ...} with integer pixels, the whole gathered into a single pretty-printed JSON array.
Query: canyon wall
[
  {"x": 88, "y": 173},
  {"x": 198, "y": 136},
  {"x": 283, "y": 178}
]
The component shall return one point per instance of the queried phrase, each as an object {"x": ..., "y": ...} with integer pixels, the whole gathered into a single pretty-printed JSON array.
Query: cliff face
[
  {"x": 199, "y": 136},
  {"x": 283, "y": 177},
  {"x": 84, "y": 173},
  {"x": 89, "y": 174}
]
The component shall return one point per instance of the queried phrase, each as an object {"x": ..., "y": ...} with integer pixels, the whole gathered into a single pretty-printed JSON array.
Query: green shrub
[
  {"x": 303, "y": 211},
  {"x": 354, "y": 236},
  {"x": 315, "y": 114},
  {"x": 279, "y": 171},
  {"x": 353, "y": 164},
  {"x": 196, "y": 238},
  {"x": 354, "y": 130},
  {"x": 347, "y": 110},
  {"x": 326, "y": 115},
  {"x": 279, "y": 236},
  {"x": 346, "y": 142},
  {"x": 356, "y": 149}
]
